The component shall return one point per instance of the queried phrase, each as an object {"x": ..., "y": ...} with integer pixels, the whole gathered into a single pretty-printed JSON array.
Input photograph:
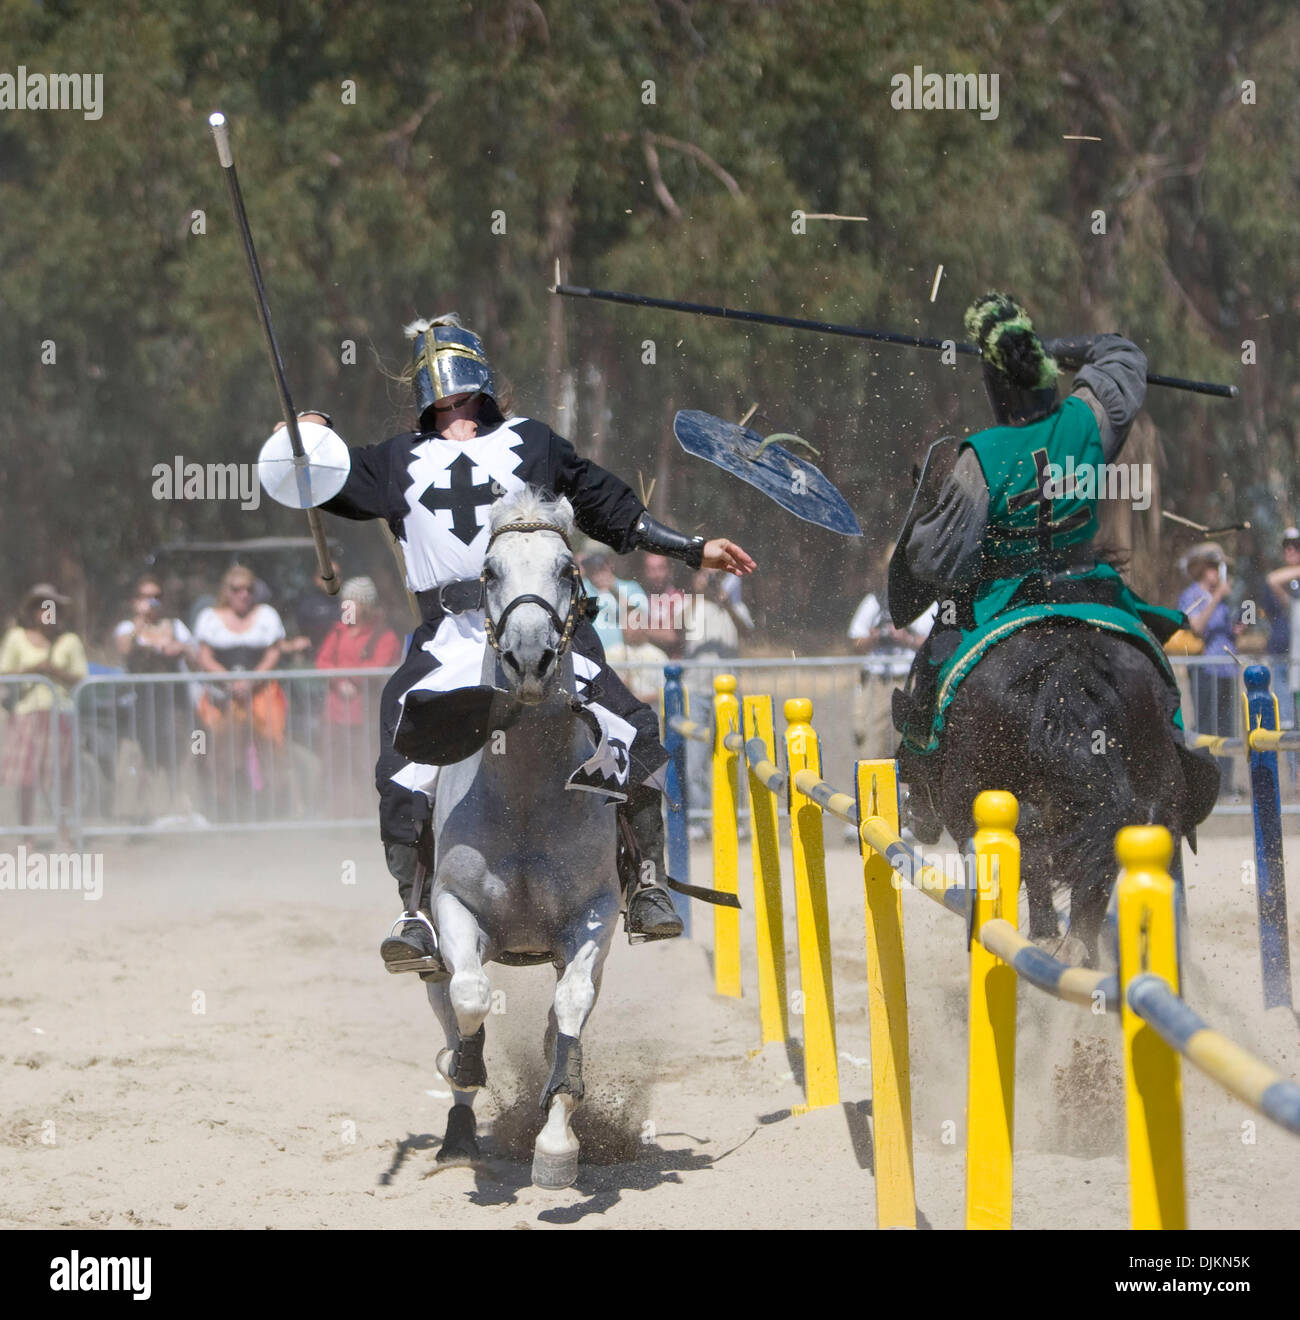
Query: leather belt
[{"x": 451, "y": 598}]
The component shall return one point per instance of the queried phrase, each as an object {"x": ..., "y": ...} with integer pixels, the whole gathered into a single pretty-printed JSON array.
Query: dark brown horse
[{"x": 1076, "y": 722}]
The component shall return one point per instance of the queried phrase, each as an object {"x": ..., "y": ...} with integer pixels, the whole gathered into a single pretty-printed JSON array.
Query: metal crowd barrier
[
  {"x": 1158, "y": 1026},
  {"x": 135, "y": 771},
  {"x": 162, "y": 752}
]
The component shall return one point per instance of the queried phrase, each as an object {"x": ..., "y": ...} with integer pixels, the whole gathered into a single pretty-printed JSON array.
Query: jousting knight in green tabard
[{"x": 1014, "y": 522}]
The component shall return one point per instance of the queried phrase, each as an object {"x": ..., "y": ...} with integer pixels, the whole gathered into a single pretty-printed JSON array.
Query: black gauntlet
[
  {"x": 660, "y": 540},
  {"x": 1070, "y": 353}
]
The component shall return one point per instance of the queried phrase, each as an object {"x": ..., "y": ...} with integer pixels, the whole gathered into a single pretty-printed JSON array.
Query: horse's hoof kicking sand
[{"x": 460, "y": 1144}]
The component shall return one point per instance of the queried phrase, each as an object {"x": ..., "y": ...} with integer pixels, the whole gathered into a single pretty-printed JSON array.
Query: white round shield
[{"x": 303, "y": 483}]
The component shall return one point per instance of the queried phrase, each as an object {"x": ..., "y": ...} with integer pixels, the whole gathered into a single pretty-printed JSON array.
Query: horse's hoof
[
  {"x": 555, "y": 1172},
  {"x": 460, "y": 1144}
]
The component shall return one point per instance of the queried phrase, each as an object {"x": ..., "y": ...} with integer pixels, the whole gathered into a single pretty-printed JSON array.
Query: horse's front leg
[
  {"x": 555, "y": 1152},
  {"x": 460, "y": 1141},
  {"x": 465, "y": 999}
]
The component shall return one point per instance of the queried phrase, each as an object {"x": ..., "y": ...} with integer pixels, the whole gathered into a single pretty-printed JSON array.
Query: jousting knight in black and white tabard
[{"x": 433, "y": 487}]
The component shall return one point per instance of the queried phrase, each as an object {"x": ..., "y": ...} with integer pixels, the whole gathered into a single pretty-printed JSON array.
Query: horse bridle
[{"x": 577, "y": 595}]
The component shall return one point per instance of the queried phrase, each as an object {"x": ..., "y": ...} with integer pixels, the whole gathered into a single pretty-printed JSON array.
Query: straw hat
[
  {"x": 44, "y": 591},
  {"x": 1202, "y": 554}
]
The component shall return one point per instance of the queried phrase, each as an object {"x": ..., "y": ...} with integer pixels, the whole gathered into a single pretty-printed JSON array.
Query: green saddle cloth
[{"x": 1125, "y": 613}]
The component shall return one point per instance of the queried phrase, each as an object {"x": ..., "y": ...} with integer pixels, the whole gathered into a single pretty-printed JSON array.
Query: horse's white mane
[
  {"x": 423, "y": 323},
  {"x": 531, "y": 505}
]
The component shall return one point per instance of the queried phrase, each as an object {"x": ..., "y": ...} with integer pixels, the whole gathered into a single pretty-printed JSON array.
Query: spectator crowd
[
  {"x": 238, "y": 738},
  {"x": 271, "y": 746}
]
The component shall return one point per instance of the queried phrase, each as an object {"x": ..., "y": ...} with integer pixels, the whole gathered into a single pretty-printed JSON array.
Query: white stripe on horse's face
[{"x": 535, "y": 563}]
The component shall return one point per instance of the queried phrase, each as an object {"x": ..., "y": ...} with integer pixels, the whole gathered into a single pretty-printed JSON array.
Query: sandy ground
[{"x": 215, "y": 1043}]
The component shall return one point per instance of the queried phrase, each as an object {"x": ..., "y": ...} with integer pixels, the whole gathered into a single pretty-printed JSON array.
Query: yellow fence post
[
  {"x": 769, "y": 920},
  {"x": 891, "y": 1083},
  {"x": 991, "y": 1075},
  {"x": 821, "y": 1066},
  {"x": 725, "y": 830},
  {"x": 1152, "y": 1074}
]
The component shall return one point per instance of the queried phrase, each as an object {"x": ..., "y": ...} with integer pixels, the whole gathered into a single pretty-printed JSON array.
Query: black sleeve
[
  {"x": 369, "y": 489},
  {"x": 605, "y": 508}
]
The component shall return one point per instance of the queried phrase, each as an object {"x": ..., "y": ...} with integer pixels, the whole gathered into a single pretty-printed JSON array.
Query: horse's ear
[{"x": 564, "y": 514}]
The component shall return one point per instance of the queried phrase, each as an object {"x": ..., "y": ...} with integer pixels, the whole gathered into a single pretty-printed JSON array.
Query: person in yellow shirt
[{"x": 41, "y": 643}]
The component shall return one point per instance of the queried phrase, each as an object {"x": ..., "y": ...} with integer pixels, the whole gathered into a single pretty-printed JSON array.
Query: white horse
[{"x": 526, "y": 871}]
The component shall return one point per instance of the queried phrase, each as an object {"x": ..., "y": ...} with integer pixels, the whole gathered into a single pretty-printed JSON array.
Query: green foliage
[{"x": 371, "y": 209}]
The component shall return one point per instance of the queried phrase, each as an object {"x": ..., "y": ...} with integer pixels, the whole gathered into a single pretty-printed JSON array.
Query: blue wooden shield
[{"x": 792, "y": 482}]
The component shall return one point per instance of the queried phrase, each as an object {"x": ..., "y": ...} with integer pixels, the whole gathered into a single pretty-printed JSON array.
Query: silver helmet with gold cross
[{"x": 448, "y": 359}]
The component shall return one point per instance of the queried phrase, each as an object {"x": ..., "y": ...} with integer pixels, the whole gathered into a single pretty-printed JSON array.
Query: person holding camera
[{"x": 1214, "y": 684}]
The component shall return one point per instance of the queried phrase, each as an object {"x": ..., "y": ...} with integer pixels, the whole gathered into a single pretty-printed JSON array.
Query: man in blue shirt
[
  {"x": 1214, "y": 686},
  {"x": 617, "y": 598}
]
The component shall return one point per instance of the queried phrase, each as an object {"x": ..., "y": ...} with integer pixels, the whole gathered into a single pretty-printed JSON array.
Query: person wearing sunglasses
[
  {"x": 159, "y": 716},
  {"x": 151, "y": 641},
  {"x": 433, "y": 485}
]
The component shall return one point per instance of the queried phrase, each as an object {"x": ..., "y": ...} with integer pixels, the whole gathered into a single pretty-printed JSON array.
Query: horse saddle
[
  {"x": 1065, "y": 587},
  {"x": 441, "y": 728}
]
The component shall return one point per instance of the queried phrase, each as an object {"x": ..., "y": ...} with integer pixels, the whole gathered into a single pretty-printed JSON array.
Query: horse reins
[{"x": 577, "y": 596}]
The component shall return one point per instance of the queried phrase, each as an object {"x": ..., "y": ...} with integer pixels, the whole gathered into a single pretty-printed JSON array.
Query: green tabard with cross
[
  {"x": 1023, "y": 519},
  {"x": 1027, "y": 523}
]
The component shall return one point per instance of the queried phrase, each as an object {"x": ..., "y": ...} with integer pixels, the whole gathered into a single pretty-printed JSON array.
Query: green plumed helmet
[{"x": 1001, "y": 329}]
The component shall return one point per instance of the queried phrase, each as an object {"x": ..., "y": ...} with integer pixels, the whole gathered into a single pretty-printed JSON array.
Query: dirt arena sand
[{"x": 304, "y": 1093}]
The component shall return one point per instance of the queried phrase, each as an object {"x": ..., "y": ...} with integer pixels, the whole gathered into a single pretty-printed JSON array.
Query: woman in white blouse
[{"x": 238, "y": 636}]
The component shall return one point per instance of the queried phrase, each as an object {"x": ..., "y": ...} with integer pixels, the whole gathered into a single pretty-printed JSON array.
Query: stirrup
[
  {"x": 646, "y": 937},
  {"x": 430, "y": 967}
]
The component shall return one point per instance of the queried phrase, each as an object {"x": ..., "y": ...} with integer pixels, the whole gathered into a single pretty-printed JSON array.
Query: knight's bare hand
[{"x": 727, "y": 555}]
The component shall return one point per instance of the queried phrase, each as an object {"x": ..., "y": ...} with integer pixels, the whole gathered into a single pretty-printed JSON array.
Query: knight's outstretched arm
[
  {"x": 607, "y": 509},
  {"x": 693, "y": 550},
  {"x": 659, "y": 539}
]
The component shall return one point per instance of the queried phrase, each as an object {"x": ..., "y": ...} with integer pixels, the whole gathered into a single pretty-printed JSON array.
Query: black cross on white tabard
[
  {"x": 1046, "y": 528},
  {"x": 463, "y": 498}
]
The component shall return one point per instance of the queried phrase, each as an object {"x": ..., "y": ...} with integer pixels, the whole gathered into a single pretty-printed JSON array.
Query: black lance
[
  {"x": 329, "y": 579},
  {"x": 1066, "y": 359}
]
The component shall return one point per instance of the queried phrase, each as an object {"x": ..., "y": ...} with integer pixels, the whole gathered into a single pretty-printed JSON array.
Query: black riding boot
[
  {"x": 650, "y": 911},
  {"x": 414, "y": 939}
]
